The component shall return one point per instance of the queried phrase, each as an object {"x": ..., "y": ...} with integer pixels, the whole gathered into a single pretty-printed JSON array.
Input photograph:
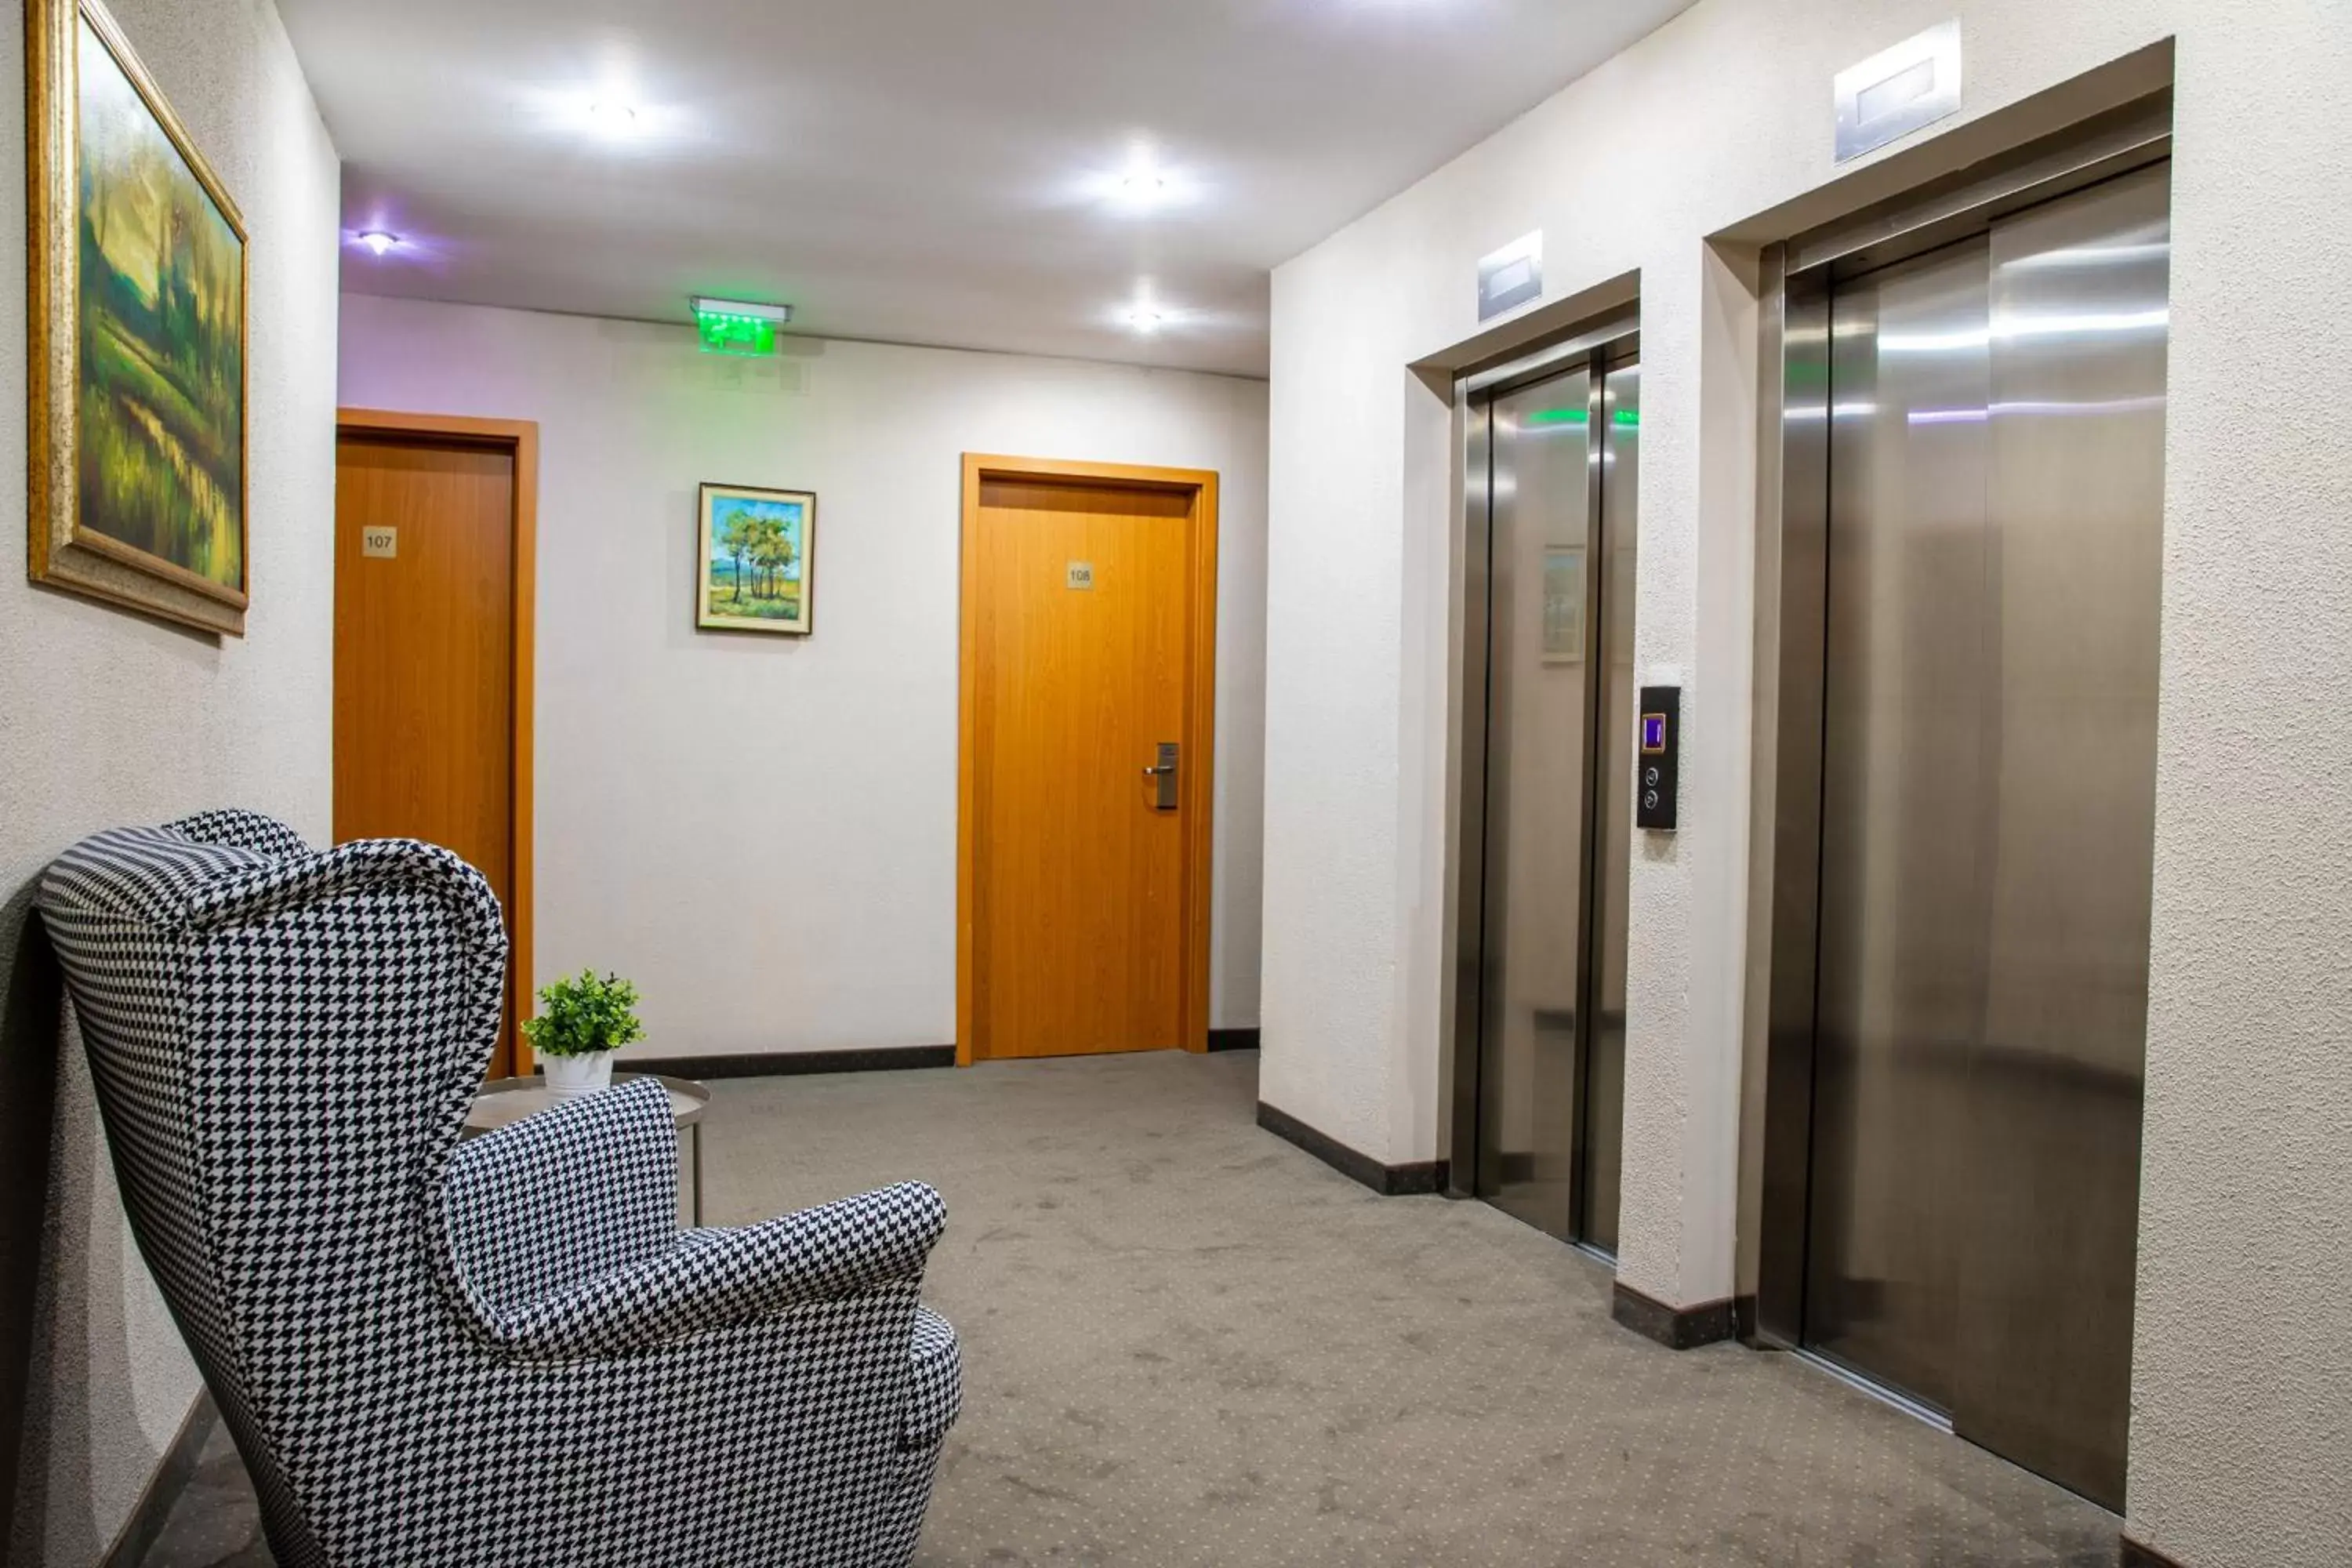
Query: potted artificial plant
[{"x": 581, "y": 1022}]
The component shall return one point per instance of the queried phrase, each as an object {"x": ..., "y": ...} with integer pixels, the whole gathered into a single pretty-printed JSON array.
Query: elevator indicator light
[{"x": 1654, "y": 734}]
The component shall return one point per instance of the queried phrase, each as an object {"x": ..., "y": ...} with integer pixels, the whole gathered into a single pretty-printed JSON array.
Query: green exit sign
[{"x": 737, "y": 326}]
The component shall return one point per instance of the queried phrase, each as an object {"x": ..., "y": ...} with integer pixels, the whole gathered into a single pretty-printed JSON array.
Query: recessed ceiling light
[
  {"x": 1138, "y": 182},
  {"x": 379, "y": 240},
  {"x": 1144, "y": 189},
  {"x": 613, "y": 117},
  {"x": 1146, "y": 318}
]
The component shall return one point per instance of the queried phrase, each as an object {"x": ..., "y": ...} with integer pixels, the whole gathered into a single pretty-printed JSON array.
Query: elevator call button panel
[{"x": 1657, "y": 760}]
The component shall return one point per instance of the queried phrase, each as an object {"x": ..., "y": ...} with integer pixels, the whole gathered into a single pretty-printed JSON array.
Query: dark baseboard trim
[
  {"x": 1389, "y": 1180},
  {"x": 1676, "y": 1327},
  {"x": 1743, "y": 1318},
  {"x": 153, "y": 1511},
  {"x": 2130, "y": 1554},
  {"x": 792, "y": 1064},
  {"x": 1234, "y": 1040}
]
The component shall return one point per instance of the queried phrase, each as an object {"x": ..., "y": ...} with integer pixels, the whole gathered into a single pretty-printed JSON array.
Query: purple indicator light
[{"x": 1654, "y": 732}]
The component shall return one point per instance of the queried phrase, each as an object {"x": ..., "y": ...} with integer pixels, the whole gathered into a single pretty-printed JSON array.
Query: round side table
[{"x": 503, "y": 1101}]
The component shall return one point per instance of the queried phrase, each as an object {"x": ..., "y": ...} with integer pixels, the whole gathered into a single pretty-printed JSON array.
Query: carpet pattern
[{"x": 1186, "y": 1341}]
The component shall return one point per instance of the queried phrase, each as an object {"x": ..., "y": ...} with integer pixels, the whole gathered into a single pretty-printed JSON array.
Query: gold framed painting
[
  {"x": 756, "y": 551},
  {"x": 138, "y": 275}
]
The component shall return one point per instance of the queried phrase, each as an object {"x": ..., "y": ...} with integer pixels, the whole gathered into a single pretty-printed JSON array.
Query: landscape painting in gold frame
[
  {"x": 754, "y": 550},
  {"x": 138, "y": 272}
]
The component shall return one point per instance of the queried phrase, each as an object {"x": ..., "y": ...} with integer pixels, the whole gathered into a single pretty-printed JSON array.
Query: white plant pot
[{"x": 568, "y": 1077}]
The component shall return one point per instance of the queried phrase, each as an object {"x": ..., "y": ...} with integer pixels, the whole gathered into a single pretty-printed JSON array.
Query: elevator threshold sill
[{"x": 1878, "y": 1391}]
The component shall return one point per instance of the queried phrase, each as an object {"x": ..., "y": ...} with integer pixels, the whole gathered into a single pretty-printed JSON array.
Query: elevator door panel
[
  {"x": 2076, "y": 494},
  {"x": 1990, "y": 699},
  {"x": 1603, "y": 1110},
  {"x": 1539, "y": 721},
  {"x": 1902, "y": 937}
]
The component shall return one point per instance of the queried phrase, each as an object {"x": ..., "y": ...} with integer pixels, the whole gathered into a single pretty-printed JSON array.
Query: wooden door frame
[
  {"x": 520, "y": 439},
  {"x": 1196, "y": 781}
]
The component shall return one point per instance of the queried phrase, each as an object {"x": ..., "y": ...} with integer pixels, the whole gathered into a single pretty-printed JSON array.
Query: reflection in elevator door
[
  {"x": 1996, "y": 425},
  {"x": 1558, "y": 813}
]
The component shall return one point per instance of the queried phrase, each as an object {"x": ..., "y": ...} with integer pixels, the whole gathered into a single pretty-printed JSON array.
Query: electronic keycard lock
[{"x": 1657, "y": 758}]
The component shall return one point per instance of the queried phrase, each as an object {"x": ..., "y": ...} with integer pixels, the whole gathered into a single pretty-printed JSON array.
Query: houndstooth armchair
[{"x": 422, "y": 1360}]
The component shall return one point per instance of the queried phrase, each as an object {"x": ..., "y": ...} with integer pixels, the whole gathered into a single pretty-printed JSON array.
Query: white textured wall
[
  {"x": 106, "y": 719},
  {"x": 2242, "y": 1424},
  {"x": 761, "y": 831},
  {"x": 2241, "y": 1419}
]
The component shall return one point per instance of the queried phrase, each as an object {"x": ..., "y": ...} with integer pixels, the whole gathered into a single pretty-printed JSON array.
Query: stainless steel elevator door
[
  {"x": 1604, "y": 1111},
  {"x": 2079, "y": 316},
  {"x": 1902, "y": 938},
  {"x": 1561, "y": 458},
  {"x": 1995, "y": 566},
  {"x": 1538, "y": 723}
]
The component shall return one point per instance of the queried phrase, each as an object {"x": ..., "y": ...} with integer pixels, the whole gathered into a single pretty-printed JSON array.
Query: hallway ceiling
[{"x": 943, "y": 172}]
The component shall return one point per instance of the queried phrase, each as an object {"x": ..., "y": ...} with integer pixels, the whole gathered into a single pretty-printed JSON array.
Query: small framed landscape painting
[
  {"x": 137, "y": 274},
  {"x": 757, "y": 551}
]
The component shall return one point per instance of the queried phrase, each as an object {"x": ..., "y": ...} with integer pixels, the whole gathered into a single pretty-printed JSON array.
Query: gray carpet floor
[{"x": 1186, "y": 1341}]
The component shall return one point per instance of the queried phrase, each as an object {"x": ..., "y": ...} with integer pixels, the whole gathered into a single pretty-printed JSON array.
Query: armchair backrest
[{"x": 284, "y": 1044}]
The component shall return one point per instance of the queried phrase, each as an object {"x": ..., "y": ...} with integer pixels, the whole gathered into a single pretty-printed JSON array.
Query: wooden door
[
  {"x": 1090, "y": 613},
  {"x": 430, "y": 688}
]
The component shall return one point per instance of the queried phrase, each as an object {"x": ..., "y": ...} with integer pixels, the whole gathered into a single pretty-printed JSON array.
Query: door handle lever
[{"x": 1164, "y": 772}]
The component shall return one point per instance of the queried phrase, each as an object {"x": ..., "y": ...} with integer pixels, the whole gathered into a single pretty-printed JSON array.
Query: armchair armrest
[
  {"x": 719, "y": 1278},
  {"x": 574, "y": 1192}
]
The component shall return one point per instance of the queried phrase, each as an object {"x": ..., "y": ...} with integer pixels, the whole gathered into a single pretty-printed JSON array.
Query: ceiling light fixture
[
  {"x": 1143, "y": 185},
  {"x": 615, "y": 119},
  {"x": 380, "y": 240},
  {"x": 1146, "y": 318},
  {"x": 737, "y": 326}
]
